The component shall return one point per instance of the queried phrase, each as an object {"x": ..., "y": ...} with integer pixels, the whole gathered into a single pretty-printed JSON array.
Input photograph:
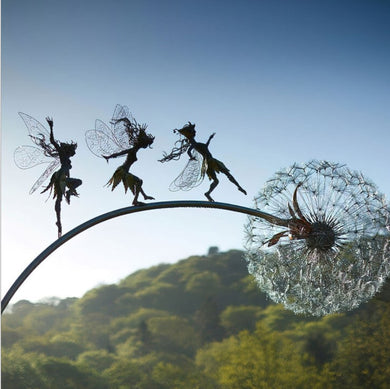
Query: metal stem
[{"x": 124, "y": 211}]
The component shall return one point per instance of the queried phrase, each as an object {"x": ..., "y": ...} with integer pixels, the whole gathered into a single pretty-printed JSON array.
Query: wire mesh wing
[
  {"x": 120, "y": 130},
  {"x": 101, "y": 140},
  {"x": 35, "y": 129},
  {"x": 45, "y": 175},
  {"x": 120, "y": 112},
  {"x": 26, "y": 157},
  {"x": 191, "y": 176}
]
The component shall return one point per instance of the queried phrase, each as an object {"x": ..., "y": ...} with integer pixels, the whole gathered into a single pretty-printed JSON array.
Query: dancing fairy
[
  {"x": 125, "y": 137},
  {"x": 55, "y": 153},
  {"x": 201, "y": 162}
]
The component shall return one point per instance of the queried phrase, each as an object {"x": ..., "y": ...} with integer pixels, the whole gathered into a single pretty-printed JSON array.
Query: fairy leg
[
  {"x": 137, "y": 188},
  {"x": 57, "y": 208},
  {"x": 213, "y": 185},
  {"x": 72, "y": 184},
  {"x": 233, "y": 180},
  {"x": 146, "y": 197}
]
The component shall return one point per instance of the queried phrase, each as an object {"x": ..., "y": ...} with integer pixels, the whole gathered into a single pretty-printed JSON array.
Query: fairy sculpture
[
  {"x": 55, "y": 153},
  {"x": 125, "y": 137},
  {"x": 201, "y": 162}
]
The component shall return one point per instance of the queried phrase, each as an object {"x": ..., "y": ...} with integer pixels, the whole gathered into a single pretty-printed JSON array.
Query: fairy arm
[
  {"x": 52, "y": 140},
  {"x": 126, "y": 120},
  {"x": 115, "y": 155},
  {"x": 211, "y": 137},
  {"x": 189, "y": 152}
]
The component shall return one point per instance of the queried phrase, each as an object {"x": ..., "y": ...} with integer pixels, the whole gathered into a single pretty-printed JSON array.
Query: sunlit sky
[{"x": 278, "y": 81}]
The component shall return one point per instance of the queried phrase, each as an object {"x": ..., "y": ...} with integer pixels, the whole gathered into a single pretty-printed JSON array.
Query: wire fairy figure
[
  {"x": 55, "y": 153},
  {"x": 201, "y": 162},
  {"x": 125, "y": 137}
]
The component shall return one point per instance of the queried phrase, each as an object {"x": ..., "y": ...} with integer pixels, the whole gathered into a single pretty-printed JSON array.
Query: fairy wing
[
  {"x": 120, "y": 128},
  {"x": 120, "y": 132},
  {"x": 101, "y": 140},
  {"x": 191, "y": 176},
  {"x": 45, "y": 175},
  {"x": 26, "y": 157},
  {"x": 120, "y": 112},
  {"x": 35, "y": 129}
]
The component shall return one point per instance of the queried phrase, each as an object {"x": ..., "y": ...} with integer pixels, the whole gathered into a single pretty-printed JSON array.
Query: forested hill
[{"x": 199, "y": 323}]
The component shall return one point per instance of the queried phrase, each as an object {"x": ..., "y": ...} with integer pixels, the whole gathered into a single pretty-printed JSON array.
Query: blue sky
[{"x": 278, "y": 81}]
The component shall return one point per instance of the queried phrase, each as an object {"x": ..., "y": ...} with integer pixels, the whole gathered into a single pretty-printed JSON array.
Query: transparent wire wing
[
  {"x": 191, "y": 176},
  {"x": 101, "y": 141},
  {"x": 45, "y": 175},
  {"x": 26, "y": 157},
  {"x": 35, "y": 128},
  {"x": 120, "y": 128},
  {"x": 120, "y": 112}
]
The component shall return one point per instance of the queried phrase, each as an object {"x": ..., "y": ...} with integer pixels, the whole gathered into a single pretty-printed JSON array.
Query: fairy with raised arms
[{"x": 55, "y": 153}]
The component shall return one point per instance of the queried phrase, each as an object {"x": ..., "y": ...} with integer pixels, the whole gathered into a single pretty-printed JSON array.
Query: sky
[{"x": 277, "y": 81}]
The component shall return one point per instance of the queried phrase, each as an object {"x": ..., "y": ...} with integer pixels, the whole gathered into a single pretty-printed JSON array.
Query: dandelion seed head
[{"x": 344, "y": 260}]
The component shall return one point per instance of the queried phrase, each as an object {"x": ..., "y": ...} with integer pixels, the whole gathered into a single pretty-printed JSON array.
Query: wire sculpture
[
  {"x": 126, "y": 137},
  {"x": 201, "y": 162},
  {"x": 54, "y": 153},
  {"x": 338, "y": 254},
  {"x": 317, "y": 241}
]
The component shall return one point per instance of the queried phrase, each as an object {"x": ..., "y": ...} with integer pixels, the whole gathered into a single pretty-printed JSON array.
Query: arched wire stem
[{"x": 125, "y": 211}]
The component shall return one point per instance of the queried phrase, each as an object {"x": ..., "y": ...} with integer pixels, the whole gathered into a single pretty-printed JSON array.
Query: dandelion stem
[{"x": 124, "y": 211}]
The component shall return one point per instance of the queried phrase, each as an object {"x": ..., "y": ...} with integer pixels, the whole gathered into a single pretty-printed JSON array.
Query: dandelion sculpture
[
  {"x": 332, "y": 252},
  {"x": 54, "y": 153},
  {"x": 125, "y": 137}
]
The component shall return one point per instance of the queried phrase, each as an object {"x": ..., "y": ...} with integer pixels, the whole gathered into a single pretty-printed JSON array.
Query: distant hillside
[{"x": 199, "y": 323}]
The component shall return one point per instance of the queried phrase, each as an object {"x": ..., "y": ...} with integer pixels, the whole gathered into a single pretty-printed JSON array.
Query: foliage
[
  {"x": 199, "y": 323},
  {"x": 363, "y": 359},
  {"x": 262, "y": 359},
  {"x": 238, "y": 318}
]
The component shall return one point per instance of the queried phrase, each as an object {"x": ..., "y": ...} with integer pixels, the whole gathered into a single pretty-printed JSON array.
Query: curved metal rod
[{"x": 124, "y": 211}]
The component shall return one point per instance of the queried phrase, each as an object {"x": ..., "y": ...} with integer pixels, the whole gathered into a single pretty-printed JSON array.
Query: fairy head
[
  {"x": 182, "y": 144},
  {"x": 188, "y": 131},
  {"x": 68, "y": 149},
  {"x": 144, "y": 139}
]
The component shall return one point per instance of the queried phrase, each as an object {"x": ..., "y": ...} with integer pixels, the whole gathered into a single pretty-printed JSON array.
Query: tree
[
  {"x": 213, "y": 250},
  {"x": 238, "y": 318},
  {"x": 173, "y": 334},
  {"x": 262, "y": 359},
  {"x": 168, "y": 376},
  {"x": 18, "y": 372},
  {"x": 144, "y": 337},
  {"x": 208, "y": 323},
  {"x": 363, "y": 360},
  {"x": 98, "y": 360},
  {"x": 63, "y": 374},
  {"x": 123, "y": 374}
]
